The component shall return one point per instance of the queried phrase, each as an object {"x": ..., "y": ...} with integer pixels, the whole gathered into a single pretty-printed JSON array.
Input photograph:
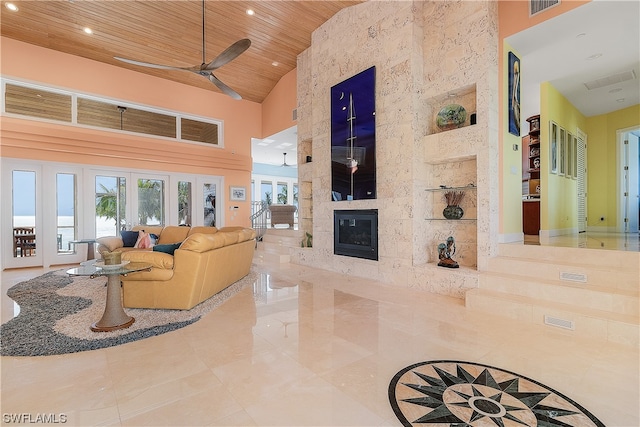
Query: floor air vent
[
  {"x": 560, "y": 323},
  {"x": 573, "y": 277}
]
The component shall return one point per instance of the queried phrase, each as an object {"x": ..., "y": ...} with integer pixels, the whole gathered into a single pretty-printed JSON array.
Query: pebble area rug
[
  {"x": 56, "y": 311},
  {"x": 457, "y": 394}
]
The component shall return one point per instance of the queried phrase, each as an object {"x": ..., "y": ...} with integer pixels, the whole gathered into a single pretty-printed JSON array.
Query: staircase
[
  {"x": 587, "y": 292},
  {"x": 276, "y": 244}
]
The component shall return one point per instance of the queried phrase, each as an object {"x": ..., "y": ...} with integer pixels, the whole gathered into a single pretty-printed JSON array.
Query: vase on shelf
[
  {"x": 453, "y": 209},
  {"x": 453, "y": 212}
]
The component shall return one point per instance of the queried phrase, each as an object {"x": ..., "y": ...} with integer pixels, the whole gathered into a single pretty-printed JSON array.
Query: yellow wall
[
  {"x": 558, "y": 202},
  {"x": 602, "y": 181},
  {"x": 511, "y": 170}
]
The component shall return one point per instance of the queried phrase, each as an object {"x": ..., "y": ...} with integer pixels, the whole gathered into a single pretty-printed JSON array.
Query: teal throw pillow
[{"x": 167, "y": 249}]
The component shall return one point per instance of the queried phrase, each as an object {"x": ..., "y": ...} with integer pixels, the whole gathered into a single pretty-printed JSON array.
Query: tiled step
[
  {"x": 597, "y": 297},
  {"x": 588, "y": 323},
  {"x": 607, "y": 259},
  {"x": 595, "y": 293},
  {"x": 566, "y": 271},
  {"x": 276, "y": 245}
]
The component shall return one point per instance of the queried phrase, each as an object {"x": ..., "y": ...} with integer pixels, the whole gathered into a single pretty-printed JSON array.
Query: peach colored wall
[
  {"x": 26, "y": 139},
  {"x": 278, "y": 106}
]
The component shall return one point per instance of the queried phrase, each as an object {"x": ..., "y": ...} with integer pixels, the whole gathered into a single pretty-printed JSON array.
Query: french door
[
  {"x": 43, "y": 215},
  {"x": 124, "y": 199},
  {"x": 47, "y": 206}
]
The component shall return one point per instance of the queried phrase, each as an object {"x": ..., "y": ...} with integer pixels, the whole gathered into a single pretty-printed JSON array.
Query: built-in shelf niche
[{"x": 464, "y": 96}]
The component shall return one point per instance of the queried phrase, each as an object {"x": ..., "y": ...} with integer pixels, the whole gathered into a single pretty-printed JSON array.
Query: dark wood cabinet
[
  {"x": 531, "y": 216},
  {"x": 531, "y": 189}
]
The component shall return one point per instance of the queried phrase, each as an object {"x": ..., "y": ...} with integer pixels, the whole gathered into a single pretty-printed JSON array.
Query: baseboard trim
[{"x": 511, "y": 238}]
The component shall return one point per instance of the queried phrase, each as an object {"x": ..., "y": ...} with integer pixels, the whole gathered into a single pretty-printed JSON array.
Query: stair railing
[{"x": 259, "y": 218}]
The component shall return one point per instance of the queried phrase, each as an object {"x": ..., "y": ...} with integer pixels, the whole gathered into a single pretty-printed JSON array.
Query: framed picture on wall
[
  {"x": 514, "y": 94},
  {"x": 569, "y": 155},
  {"x": 553, "y": 147},
  {"x": 574, "y": 171},
  {"x": 238, "y": 193},
  {"x": 562, "y": 153}
]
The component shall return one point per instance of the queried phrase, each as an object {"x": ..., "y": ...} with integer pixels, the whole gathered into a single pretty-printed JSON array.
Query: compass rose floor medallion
[{"x": 458, "y": 394}]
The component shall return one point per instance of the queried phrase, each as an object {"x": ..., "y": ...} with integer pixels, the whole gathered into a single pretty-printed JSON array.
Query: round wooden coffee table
[{"x": 114, "y": 316}]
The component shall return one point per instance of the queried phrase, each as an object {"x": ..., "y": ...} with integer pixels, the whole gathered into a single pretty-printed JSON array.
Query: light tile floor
[{"x": 307, "y": 347}]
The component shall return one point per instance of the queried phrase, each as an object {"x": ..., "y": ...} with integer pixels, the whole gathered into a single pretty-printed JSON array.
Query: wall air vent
[
  {"x": 294, "y": 115},
  {"x": 560, "y": 323},
  {"x": 573, "y": 277},
  {"x": 537, "y": 6},
  {"x": 610, "y": 80}
]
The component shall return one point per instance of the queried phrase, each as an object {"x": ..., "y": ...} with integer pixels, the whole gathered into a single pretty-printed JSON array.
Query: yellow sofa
[
  {"x": 166, "y": 235},
  {"x": 202, "y": 266}
]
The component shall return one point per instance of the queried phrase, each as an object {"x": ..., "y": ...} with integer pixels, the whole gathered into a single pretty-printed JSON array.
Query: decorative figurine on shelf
[{"x": 445, "y": 251}]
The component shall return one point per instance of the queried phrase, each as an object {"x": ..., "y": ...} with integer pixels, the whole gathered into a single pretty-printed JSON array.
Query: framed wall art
[
  {"x": 353, "y": 137},
  {"x": 553, "y": 147},
  {"x": 237, "y": 193},
  {"x": 514, "y": 94},
  {"x": 562, "y": 152}
]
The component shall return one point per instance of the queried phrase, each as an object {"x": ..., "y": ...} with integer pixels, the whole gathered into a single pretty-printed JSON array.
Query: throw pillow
[
  {"x": 144, "y": 241},
  {"x": 167, "y": 249},
  {"x": 129, "y": 238}
]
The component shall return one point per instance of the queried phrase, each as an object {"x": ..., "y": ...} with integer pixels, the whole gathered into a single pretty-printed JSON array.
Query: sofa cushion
[
  {"x": 155, "y": 229},
  {"x": 173, "y": 234},
  {"x": 203, "y": 229},
  {"x": 169, "y": 248},
  {"x": 156, "y": 259},
  {"x": 129, "y": 238},
  {"x": 199, "y": 242},
  {"x": 111, "y": 242}
]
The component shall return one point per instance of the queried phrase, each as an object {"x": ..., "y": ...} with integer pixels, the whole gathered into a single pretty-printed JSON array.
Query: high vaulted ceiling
[{"x": 170, "y": 33}]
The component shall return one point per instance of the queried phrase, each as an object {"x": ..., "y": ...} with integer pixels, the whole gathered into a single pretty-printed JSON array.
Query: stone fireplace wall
[{"x": 426, "y": 54}]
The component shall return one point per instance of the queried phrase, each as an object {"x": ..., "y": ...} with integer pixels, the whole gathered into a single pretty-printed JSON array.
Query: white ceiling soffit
[{"x": 596, "y": 40}]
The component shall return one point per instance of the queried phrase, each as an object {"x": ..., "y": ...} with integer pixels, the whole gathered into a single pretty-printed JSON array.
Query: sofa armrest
[
  {"x": 109, "y": 243},
  {"x": 156, "y": 259}
]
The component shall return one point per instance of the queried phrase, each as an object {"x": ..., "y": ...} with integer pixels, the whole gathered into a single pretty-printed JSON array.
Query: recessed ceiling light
[
  {"x": 250, "y": 12},
  {"x": 594, "y": 56},
  {"x": 275, "y": 63},
  {"x": 620, "y": 99},
  {"x": 88, "y": 30},
  {"x": 581, "y": 35},
  {"x": 12, "y": 7}
]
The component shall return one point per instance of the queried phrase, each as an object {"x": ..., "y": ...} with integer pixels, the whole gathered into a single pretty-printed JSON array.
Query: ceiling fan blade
[
  {"x": 229, "y": 54},
  {"x": 224, "y": 88},
  {"x": 149, "y": 65}
]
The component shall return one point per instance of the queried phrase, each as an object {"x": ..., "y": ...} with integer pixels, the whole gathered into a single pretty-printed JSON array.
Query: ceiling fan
[
  {"x": 284, "y": 163},
  {"x": 204, "y": 69}
]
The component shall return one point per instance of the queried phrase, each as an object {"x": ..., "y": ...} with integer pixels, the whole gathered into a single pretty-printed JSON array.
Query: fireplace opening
[{"x": 355, "y": 233}]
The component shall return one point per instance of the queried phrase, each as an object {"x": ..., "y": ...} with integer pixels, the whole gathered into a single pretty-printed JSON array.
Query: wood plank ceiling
[{"x": 170, "y": 33}]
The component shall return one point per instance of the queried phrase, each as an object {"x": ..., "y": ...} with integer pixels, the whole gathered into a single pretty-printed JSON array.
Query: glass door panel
[
  {"x": 151, "y": 201},
  {"x": 24, "y": 214},
  {"x": 111, "y": 205},
  {"x": 185, "y": 203},
  {"x": 66, "y": 212},
  {"x": 209, "y": 200}
]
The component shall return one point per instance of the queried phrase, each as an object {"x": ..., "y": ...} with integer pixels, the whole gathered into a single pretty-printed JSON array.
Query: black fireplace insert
[{"x": 355, "y": 233}]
